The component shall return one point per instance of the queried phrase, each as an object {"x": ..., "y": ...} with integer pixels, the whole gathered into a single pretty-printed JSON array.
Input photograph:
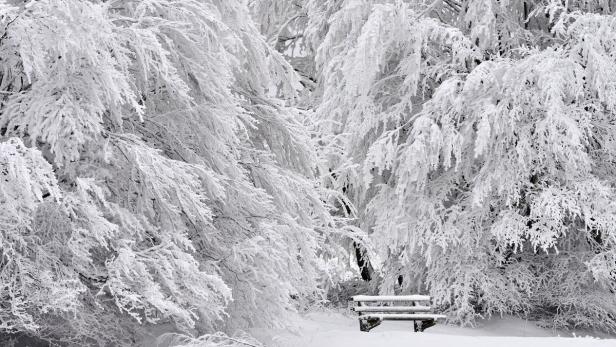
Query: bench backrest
[
  {"x": 379, "y": 298},
  {"x": 396, "y": 304}
]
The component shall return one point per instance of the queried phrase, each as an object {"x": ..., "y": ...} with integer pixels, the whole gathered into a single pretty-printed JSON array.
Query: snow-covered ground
[{"x": 324, "y": 329}]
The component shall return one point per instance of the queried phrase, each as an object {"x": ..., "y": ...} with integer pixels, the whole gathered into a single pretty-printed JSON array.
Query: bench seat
[
  {"x": 411, "y": 316},
  {"x": 391, "y": 309}
]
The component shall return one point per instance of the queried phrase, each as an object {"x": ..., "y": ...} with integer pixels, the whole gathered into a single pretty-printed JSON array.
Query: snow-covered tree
[
  {"x": 152, "y": 171},
  {"x": 475, "y": 140}
]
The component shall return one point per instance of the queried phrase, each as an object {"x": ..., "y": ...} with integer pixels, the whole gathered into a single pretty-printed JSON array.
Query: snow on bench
[
  {"x": 377, "y": 298},
  {"x": 371, "y": 316},
  {"x": 415, "y": 316},
  {"x": 391, "y": 309}
]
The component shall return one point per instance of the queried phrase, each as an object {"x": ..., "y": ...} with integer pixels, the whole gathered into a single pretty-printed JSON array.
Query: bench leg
[
  {"x": 368, "y": 324},
  {"x": 427, "y": 324},
  {"x": 420, "y": 326},
  {"x": 363, "y": 325},
  {"x": 417, "y": 326}
]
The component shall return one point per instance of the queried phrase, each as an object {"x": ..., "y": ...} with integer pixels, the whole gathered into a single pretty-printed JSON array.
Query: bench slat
[
  {"x": 413, "y": 316},
  {"x": 369, "y": 298},
  {"x": 392, "y": 309}
]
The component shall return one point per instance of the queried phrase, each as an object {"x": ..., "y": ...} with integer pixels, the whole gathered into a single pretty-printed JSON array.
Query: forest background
[{"x": 208, "y": 165}]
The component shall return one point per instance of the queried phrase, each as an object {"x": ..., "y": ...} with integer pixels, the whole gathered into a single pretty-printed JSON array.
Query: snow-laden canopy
[{"x": 474, "y": 140}]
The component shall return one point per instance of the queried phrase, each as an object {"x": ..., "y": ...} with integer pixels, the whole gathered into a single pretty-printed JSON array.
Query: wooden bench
[{"x": 373, "y": 310}]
